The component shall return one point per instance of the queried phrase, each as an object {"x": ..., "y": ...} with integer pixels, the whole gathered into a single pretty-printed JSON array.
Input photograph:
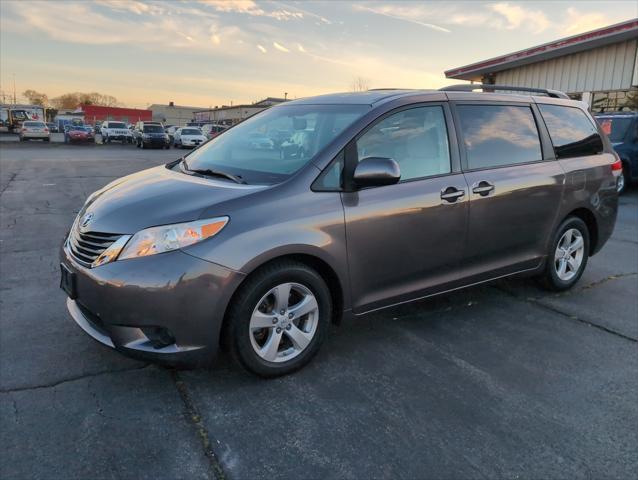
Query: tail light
[
  {"x": 24, "y": 129},
  {"x": 46, "y": 130},
  {"x": 616, "y": 167}
]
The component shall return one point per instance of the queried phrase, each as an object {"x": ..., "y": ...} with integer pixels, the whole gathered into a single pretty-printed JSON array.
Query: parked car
[
  {"x": 32, "y": 129},
  {"x": 53, "y": 127},
  {"x": 79, "y": 134},
  {"x": 117, "y": 131},
  {"x": 401, "y": 195},
  {"x": 189, "y": 137},
  {"x": 170, "y": 131},
  {"x": 150, "y": 135},
  {"x": 211, "y": 130},
  {"x": 622, "y": 130}
]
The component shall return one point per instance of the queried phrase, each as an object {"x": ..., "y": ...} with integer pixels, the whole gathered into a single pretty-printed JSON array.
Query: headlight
[{"x": 171, "y": 237}]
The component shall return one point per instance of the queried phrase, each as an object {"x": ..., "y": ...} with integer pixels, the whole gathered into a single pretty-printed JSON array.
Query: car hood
[{"x": 157, "y": 196}]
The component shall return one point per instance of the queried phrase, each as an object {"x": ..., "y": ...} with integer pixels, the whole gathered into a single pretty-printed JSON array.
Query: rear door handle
[
  {"x": 452, "y": 194},
  {"x": 482, "y": 188}
]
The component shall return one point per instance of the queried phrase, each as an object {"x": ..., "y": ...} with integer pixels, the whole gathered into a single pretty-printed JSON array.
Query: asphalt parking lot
[{"x": 503, "y": 380}]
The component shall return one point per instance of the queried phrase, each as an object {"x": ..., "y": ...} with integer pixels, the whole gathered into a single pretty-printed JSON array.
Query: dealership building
[
  {"x": 230, "y": 115},
  {"x": 599, "y": 67},
  {"x": 100, "y": 113}
]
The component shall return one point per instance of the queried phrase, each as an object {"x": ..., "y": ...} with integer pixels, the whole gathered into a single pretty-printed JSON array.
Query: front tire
[
  {"x": 567, "y": 256},
  {"x": 279, "y": 318}
]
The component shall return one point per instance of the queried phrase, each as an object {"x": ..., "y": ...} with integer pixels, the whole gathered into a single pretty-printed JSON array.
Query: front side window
[
  {"x": 499, "y": 135},
  {"x": 269, "y": 147},
  {"x": 415, "y": 138},
  {"x": 571, "y": 130}
]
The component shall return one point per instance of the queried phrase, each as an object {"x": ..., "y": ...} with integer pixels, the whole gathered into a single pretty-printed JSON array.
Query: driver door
[{"x": 407, "y": 240}]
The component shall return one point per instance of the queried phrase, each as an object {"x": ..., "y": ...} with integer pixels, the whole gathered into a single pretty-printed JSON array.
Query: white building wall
[{"x": 605, "y": 68}]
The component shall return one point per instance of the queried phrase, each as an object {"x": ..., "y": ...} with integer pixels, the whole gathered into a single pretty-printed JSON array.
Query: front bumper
[
  {"x": 121, "y": 304},
  {"x": 155, "y": 142}
]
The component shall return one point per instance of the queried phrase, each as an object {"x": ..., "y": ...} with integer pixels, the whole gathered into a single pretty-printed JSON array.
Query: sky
[{"x": 207, "y": 53}]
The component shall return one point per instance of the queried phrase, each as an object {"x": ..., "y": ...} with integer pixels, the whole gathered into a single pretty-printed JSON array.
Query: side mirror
[{"x": 376, "y": 171}]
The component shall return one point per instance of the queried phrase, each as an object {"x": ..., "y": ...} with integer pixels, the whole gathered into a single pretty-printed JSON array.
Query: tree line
[{"x": 71, "y": 100}]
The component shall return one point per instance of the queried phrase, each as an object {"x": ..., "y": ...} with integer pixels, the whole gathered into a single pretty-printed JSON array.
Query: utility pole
[
  {"x": 285, "y": 95},
  {"x": 14, "y": 89}
]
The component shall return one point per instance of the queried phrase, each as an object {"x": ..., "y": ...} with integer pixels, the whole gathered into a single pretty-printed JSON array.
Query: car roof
[{"x": 369, "y": 97}]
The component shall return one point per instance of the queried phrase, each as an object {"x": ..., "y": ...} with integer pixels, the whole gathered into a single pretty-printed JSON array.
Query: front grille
[{"x": 87, "y": 247}]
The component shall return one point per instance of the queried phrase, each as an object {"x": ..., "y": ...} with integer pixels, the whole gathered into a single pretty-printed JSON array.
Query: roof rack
[{"x": 470, "y": 87}]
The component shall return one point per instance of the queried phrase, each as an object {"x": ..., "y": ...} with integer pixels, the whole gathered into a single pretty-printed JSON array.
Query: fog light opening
[{"x": 159, "y": 337}]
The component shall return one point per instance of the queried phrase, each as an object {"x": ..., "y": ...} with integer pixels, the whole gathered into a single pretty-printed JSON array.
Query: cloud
[
  {"x": 300, "y": 48},
  {"x": 280, "y": 47},
  {"x": 250, "y": 7},
  {"x": 438, "y": 16},
  {"x": 406, "y": 13},
  {"x": 262, "y": 49},
  {"x": 517, "y": 16},
  {"x": 578, "y": 22}
]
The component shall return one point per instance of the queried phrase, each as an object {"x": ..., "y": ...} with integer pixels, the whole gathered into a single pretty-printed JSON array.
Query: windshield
[
  {"x": 77, "y": 128},
  {"x": 116, "y": 125},
  {"x": 270, "y": 146},
  {"x": 190, "y": 131},
  {"x": 615, "y": 127},
  {"x": 153, "y": 129}
]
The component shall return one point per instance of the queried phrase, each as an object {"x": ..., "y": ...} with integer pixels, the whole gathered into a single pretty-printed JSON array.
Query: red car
[{"x": 79, "y": 134}]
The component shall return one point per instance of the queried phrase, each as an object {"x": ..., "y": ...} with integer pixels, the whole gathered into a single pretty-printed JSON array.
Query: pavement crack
[
  {"x": 71, "y": 379},
  {"x": 539, "y": 303},
  {"x": 195, "y": 418}
]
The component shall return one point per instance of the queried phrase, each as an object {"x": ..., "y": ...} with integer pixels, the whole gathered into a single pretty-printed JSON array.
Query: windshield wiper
[{"x": 213, "y": 173}]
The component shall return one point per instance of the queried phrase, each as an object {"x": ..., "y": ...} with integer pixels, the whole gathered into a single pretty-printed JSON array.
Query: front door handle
[
  {"x": 483, "y": 188},
  {"x": 451, "y": 194}
]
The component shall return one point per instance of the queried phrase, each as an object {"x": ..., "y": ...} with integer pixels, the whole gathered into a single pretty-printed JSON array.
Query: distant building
[
  {"x": 598, "y": 67},
  {"x": 230, "y": 115},
  {"x": 99, "y": 113},
  {"x": 172, "y": 114}
]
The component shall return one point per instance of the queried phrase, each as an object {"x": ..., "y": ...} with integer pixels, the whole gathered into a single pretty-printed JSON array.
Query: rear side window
[
  {"x": 416, "y": 139},
  {"x": 571, "y": 130},
  {"x": 499, "y": 135}
]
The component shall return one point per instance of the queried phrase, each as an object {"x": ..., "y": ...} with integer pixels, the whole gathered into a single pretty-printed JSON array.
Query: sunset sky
[{"x": 211, "y": 52}]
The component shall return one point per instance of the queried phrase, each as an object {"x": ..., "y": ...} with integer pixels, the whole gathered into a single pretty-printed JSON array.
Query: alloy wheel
[
  {"x": 284, "y": 322},
  {"x": 569, "y": 254}
]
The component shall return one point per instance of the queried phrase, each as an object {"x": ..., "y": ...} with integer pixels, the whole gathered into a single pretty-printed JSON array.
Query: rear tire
[
  {"x": 567, "y": 256},
  {"x": 293, "y": 333}
]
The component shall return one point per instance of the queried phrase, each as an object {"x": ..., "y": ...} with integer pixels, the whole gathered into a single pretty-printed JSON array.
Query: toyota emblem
[{"x": 86, "y": 219}]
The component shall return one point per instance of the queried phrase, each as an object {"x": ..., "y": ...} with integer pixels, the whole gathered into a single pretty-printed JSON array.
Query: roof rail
[{"x": 470, "y": 87}]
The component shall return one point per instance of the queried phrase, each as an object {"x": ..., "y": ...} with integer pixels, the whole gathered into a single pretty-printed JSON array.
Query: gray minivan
[{"x": 389, "y": 196}]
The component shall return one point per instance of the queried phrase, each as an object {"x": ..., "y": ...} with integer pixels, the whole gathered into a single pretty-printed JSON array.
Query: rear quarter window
[
  {"x": 572, "y": 132},
  {"x": 499, "y": 135}
]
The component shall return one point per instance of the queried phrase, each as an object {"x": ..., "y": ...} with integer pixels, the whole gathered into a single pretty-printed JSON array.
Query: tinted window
[
  {"x": 573, "y": 133},
  {"x": 33, "y": 124},
  {"x": 116, "y": 125},
  {"x": 153, "y": 129},
  {"x": 416, "y": 139},
  {"x": 615, "y": 127},
  {"x": 499, "y": 135}
]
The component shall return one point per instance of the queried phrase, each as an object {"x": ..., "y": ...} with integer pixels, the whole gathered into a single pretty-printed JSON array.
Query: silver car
[{"x": 32, "y": 129}]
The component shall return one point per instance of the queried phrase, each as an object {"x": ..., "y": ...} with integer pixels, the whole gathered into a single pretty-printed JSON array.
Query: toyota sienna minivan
[{"x": 365, "y": 201}]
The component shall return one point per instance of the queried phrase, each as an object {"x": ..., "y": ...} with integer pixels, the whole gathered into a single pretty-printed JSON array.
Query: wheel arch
[
  {"x": 323, "y": 268},
  {"x": 589, "y": 218}
]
